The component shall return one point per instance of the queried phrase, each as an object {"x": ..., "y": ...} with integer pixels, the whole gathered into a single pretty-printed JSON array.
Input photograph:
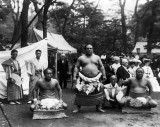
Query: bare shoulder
[
  {"x": 40, "y": 80},
  {"x": 132, "y": 79},
  {"x": 96, "y": 56},
  {"x": 129, "y": 80},
  {"x": 81, "y": 57},
  {"x": 54, "y": 80},
  {"x": 147, "y": 80}
]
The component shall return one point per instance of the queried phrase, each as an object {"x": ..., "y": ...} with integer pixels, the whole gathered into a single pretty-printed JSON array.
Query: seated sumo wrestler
[
  {"x": 139, "y": 96},
  {"x": 112, "y": 92},
  {"x": 44, "y": 97}
]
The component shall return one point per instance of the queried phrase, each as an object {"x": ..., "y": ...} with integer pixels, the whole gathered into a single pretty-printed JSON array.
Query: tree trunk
[
  {"x": 24, "y": 22},
  {"x": 136, "y": 33},
  {"x": 45, "y": 17},
  {"x": 16, "y": 31},
  {"x": 138, "y": 20},
  {"x": 66, "y": 18},
  {"x": 123, "y": 21},
  {"x": 40, "y": 15},
  {"x": 150, "y": 33}
]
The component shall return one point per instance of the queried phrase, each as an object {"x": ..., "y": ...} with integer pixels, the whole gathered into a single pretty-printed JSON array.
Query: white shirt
[
  {"x": 39, "y": 64},
  {"x": 147, "y": 71},
  {"x": 132, "y": 71},
  {"x": 113, "y": 89},
  {"x": 111, "y": 86},
  {"x": 115, "y": 66},
  {"x": 103, "y": 57}
]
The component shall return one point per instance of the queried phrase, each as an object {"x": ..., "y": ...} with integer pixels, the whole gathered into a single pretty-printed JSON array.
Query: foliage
[{"x": 87, "y": 24}]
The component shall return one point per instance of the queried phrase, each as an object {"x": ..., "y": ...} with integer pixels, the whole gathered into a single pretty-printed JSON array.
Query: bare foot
[
  {"x": 29, "y": 102},
  {"x": 12, "y": 103},
  {"x": 76, "y": 110},
  {"x": 17, "y": 102},
  {"x": 100, "y": 110}
]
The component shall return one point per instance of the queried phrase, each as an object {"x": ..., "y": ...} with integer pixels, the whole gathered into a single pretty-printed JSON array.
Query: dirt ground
[{"x": 20, "y": 116}]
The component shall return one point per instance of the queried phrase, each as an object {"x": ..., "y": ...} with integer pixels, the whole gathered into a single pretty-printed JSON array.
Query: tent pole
[{"x": 56, "y": 65}]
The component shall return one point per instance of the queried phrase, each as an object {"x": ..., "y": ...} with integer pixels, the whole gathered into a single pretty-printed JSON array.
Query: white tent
[
  {"x": 55, "y": 41},
  {"x": 24, "y": 55},
  {"x": 142, "y": 47}
]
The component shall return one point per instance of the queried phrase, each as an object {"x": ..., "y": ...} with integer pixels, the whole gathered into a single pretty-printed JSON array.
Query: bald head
[
  {"x": 63, "y": 56},
  {"x": 139, "y": 73},
  {"x": 113, "y": 80}
]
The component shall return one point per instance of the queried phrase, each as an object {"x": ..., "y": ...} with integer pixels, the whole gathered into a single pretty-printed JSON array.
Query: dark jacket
[
  {"x": 122, "y": 73},
  {"x": 109, "y": 72},
  {"x": 62, "y": 67}
]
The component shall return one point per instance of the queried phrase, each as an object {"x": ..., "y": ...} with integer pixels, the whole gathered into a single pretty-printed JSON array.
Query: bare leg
[
  {"x": 124, "y": 101},
  {"x": 12, "y": 103},
  {"x": 99, "y": 108},
  {"x": 152, "y": 103},
  {"x": 64, "y": 105},
  {"x": 78, "y": 109}
]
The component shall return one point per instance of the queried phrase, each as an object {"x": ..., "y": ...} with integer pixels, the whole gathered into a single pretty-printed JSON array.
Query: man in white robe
[{"x": 37, "y": 66}]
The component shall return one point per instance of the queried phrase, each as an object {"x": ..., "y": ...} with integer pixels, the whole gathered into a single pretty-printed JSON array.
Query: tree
[
  {"x": 86, "y": 24},
  {"x": 146, "y": 19},
  {"x": 139, "y": 18},
  {"x": 36, "y": 4},
  {"x": 24, "y": 22},
  {"x": 123, "y": 21},
  {"x": 15, "y": 8}
]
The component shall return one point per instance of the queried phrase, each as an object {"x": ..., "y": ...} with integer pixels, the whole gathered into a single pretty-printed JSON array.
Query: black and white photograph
[{"x": 79, "y": 63}]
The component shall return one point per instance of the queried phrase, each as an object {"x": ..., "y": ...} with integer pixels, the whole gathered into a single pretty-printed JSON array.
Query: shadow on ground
[{"x": 20, "y": 116}]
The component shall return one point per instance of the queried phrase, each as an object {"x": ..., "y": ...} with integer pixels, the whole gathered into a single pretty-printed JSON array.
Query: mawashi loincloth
[
  {"x": 135, "y": 95},
  {"x": 89, "y": 100},
  {"x": 88, "y": 85}
]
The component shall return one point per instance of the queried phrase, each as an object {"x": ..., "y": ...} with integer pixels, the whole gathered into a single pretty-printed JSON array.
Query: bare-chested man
[
  {"x": 139, "y": 92},
  {"x": 45, "y": 89},
  {"x": 91, "y": 70}
]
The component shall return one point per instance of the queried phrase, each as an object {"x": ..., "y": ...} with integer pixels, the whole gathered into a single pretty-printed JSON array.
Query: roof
[
  {"x": 141, "y": 46},
  {"x": 55, "y": 41}
]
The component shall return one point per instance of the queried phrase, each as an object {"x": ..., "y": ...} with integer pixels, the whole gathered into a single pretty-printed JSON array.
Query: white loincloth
[
  {"x": 49, "y": 103},
  {"x": 92, "y": 83}
]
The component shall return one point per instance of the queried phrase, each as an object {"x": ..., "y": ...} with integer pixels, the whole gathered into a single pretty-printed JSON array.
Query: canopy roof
[
  {"x": 55, "y": 41},
  {"x": 141, "y": 46}
]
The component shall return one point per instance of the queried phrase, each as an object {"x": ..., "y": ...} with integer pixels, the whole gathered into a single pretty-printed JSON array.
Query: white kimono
[
  {"x": 113, "y": 92},
  {"x": 149, "y": 74},
  {"x": 39, "y": 64},
  {"x": 33, "y": 67}
]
